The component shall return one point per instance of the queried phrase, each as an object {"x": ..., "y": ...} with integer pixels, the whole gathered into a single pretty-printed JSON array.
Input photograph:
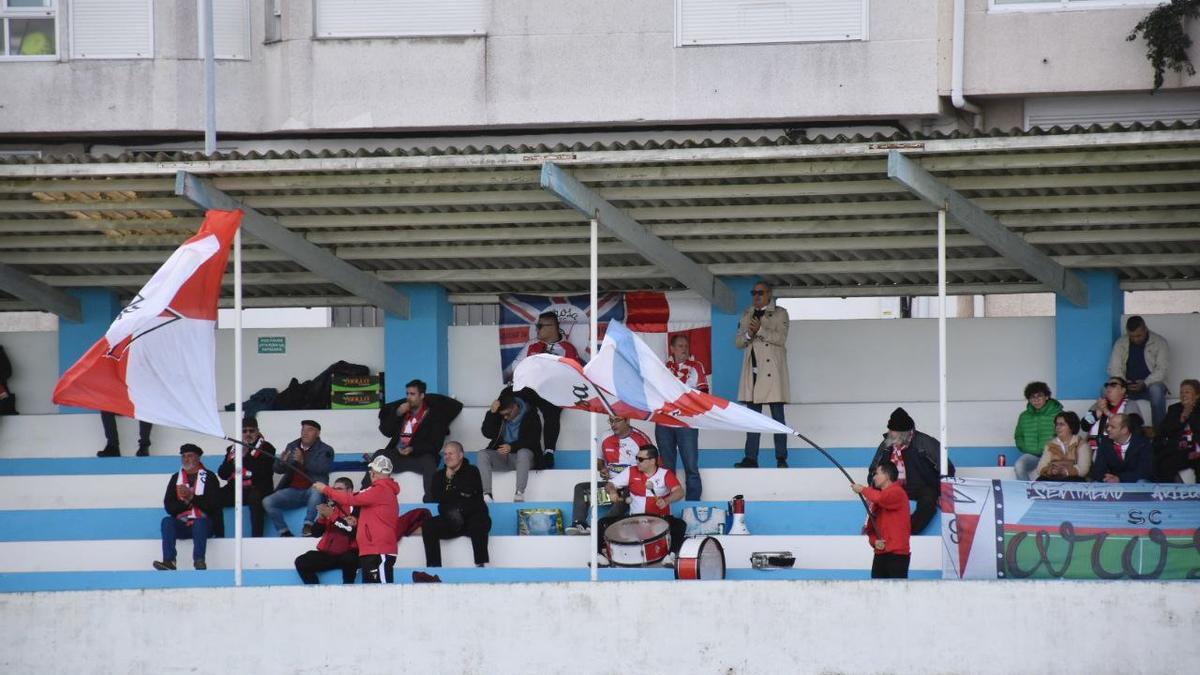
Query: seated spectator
[
  {"x": 1035, "y": 427},
  {"x": 889, "y": 528},
  {"x": 193, "y": 505},
  {"x": 1111, "y": 402},
  {"x": 1177, "y": 442},
  {"x": 1139, "y": 357},
  {"x": 917, "y": 457},
  {"x": 1067, "y": 456},
  {"x": 257, "y": 458},
  {"x": 652, "y": 490},
  {"x": 416, "y": 427},
  {"x": 378, "y": 520},
  {"x": 618, "y": 453},
  {"x": 1123, "y": 456},
  {"x": 458, "y": 491},
  {"x": 515, "y": 431},
  {"x": 336, "y": 525},
  {"x": 683, "y": 441},
  {"x": 303, "y": 462},
  {"x": 550, "y": 340}
]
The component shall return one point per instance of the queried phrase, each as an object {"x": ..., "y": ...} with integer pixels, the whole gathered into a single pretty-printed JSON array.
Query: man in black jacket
[
  {"x": 257, "y": 457},
  {"x": 1123, "y": 456},
  {"x": 415, "y": 427},
  {"x": 515, "y": 434},
  {"x": 458, "y": 491},
  {"x": 917, "y": 457},
  {"x": 193, "y": 504}
]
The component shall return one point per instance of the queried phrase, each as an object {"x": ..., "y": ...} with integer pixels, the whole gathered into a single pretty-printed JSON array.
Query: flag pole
[
  {"x": 593, "y": 338},
  {"x": 238, "y": 490}
]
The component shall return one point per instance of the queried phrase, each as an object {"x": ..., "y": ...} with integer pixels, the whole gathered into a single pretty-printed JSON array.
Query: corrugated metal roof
[{"x": 814, "y": 216}]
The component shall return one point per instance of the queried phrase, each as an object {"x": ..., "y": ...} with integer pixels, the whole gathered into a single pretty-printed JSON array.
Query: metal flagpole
[
  {"x": 210, "y": 147},
  {"x": 941, "y": 270},
  {"x": 593, "y": 339}
]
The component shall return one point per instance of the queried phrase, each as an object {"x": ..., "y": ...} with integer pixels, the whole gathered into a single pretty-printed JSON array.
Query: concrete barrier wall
[
  {"x": 720, "y": 628},
  {"x": 832, "y": 362}
]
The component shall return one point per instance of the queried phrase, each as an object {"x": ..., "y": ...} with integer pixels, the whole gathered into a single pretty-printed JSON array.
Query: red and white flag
[
  {"x": 157, "y": 361},
  {"x": 657, "y": 317}
]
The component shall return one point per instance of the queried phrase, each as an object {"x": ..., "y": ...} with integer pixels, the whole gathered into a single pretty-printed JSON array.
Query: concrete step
[
  {"x": 139, "y": 490},
  {"x": 812, "y": 552},
  {"x": 26, "y": 582},
  {"x": 764, "y": 517}
]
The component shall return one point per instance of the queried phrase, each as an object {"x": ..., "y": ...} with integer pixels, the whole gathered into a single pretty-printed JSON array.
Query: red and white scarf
[
  {"x": 181, "y": 480},
  {"x": 412, "y": 422},
  {"x": 1096, "y": 432},
  {"x": 254, "y": 453},
  {"x": 898, "y": 460}
]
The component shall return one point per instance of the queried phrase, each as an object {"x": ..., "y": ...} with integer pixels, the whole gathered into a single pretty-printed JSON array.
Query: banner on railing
[{"x": 994, "y": 529}]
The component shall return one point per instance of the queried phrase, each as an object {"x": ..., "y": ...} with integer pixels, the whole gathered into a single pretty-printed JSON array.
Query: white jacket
[{"x": 1156, "y": 357}]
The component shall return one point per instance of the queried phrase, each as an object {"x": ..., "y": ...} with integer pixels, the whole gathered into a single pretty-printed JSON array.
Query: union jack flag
[{"x": 519, "y": 313}]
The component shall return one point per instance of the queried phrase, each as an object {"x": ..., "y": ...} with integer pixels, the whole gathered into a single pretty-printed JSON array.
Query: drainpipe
[{"x": 956, "y": 65}]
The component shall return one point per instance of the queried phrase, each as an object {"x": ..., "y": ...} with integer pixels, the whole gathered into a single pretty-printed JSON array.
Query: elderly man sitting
[
  {"x": 193, "y": 505},
  {"x": 917, "y": 457}
]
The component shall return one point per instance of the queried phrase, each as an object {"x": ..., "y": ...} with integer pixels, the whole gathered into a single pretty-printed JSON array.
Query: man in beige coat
[{"x": 762, "y": 333}]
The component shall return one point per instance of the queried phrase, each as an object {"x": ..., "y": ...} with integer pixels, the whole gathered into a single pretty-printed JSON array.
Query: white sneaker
[
  {"x": 487, "y": 498},
  {"x": 577, "y": 529},
  {"x": 519, "y": 496},
  {"x": 669, "y": 561}
]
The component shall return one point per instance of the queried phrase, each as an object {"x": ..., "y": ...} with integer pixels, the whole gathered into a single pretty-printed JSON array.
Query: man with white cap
[{"x": 378, "y": 517}]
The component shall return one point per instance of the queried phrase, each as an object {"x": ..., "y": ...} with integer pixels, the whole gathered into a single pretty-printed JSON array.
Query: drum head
[
  {"x": 636, "y": 529},
  {"x": 701, "y": 558}
]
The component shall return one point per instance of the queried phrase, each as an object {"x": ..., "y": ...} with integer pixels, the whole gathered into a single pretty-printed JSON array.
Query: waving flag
[
  {"x": 657, "y": 317},
  {"x": 157, "y": 362},
  {"x": 634, "y": 382},
  {"x": 519, "y": 313}
]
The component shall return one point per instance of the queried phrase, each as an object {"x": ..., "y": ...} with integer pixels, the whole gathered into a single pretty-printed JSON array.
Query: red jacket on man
[
  {"x": 337, "y": 538},
  {"x": 892, "y": 519},
  {"x": 378, "y": 516}
]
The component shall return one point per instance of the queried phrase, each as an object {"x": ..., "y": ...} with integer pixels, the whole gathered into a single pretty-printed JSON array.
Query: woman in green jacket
[{"x": 1035, "y": 427}]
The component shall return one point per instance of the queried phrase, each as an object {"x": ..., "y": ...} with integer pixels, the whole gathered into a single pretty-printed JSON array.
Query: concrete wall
[
  {"x": 573, "y": 62},
  {"x": 934, "y": 626},
  {"x": 832, "y": 362}
]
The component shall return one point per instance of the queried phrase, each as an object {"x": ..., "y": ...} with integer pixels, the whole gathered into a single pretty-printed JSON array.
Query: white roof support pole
[
  {"x": 593, "y": 427},
  {"x": 942, "y": 360}
]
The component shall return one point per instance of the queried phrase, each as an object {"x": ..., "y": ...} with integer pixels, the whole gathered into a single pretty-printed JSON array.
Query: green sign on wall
[{"x": 272, "y": 345}]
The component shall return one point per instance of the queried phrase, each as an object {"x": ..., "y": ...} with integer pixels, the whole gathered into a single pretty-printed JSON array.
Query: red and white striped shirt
[
  {"x": 691, "y": 373},
  {"x": 623, "y": 451},
  {"x": 560, "y": 348}
]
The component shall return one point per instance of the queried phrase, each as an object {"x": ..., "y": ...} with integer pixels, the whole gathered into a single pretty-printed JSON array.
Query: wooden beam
[
  {"x": 200, "y": 191},
  {"x": 980, "y": 223},
  {"x": 585, "y": 200}
]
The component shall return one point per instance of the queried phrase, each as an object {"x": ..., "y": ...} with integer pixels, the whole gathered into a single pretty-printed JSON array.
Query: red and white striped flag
[{"x": 157, "y": 361}]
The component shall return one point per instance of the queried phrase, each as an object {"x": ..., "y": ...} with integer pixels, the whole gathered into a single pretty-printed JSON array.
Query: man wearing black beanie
[{"x": 917, "y": 457}]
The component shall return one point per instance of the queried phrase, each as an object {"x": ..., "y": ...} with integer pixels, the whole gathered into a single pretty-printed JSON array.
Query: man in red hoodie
[
  {"x": 337, "y": 548},
  {"x": 378, "y": 516},
  {"x": 890, "y": 527}
]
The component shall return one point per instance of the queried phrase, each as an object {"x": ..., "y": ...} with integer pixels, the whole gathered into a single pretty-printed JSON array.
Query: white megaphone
[{"x": 737, "y": 515}]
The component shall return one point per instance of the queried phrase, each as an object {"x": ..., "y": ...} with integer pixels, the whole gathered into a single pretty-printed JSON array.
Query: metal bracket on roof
[
  {"x": 981, "y": 224},
  {"x": 268, "y": 230},
  {"x": 41, "y": 295},
  {"x": 587, "y": 201}
]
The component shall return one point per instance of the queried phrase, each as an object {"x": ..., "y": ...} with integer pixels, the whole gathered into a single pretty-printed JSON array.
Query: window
[
  {"x": 400, "y": 18},
  {"x": 231, "y": 29},
  {"x": 29, "y": 30},
  {"x": 112, "y": 29},
  {"x": 723, "y": 22},
  {"x": 1057, "y": 5}
]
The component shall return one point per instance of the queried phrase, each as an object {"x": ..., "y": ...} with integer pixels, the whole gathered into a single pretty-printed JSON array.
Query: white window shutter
[
  {"x": 716, "y": 22},
  {"x": 400, "y": 18},
  {"x": 112, "y": 29},
  {"x": 231, "y": 28}
]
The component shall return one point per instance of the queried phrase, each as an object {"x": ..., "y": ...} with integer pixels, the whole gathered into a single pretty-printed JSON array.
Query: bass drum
[
  {"x": 700, "y": 558},
  {"x": 638, "y": 540}
]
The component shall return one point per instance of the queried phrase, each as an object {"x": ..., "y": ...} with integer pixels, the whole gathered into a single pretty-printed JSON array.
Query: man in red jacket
[
  {"x": 378, "y": 517},
  {"x": 890, "y": 528},
  {"x": 337, "y": 548}
]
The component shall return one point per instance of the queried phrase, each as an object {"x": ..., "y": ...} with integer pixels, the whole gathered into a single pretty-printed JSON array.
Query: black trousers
[
  {"x": 426, "y": 465},
  {"x": 372, "y": 565},
  {"x": 550, "y": 423},
  {"x": 441, "y": 527},
  {"x": 113, "y": 442},
  {"x": 926, "y": 498},
  {"x": 252, "y": 498},
  {"x": 308, "y": 564},
  {"x": 890, "y": 566},
  {"x": 678, "y": 530}
]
